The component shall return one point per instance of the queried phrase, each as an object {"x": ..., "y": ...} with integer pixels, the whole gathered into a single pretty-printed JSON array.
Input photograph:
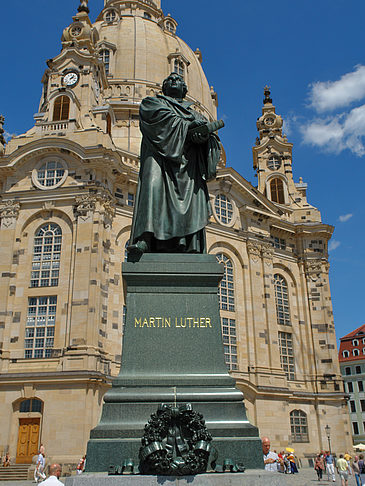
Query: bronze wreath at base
[{"x": 175, "y": 442}]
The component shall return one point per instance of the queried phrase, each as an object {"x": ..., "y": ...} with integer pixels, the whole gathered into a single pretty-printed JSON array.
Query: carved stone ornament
[
  {"x": 313, "y": 269},
  {"x": 85, "y": 204},
  {"x": 108, "y": 206},
  {"x": 175, "y": 442},
  {"x": 253, "y": 250},
  {"x": 267, "y": 251},
  {"x": 9, "y": 212}
]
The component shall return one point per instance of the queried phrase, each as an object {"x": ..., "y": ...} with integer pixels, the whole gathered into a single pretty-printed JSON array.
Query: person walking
[
  {"x": 356, "y": 471},
  {"x": 343, "y": 470},
  {"x": 330, "y": 467},
  {"x": 319, "y": 466},
  {"x": 39, "y": 468},
  {"x": 362, "y": 469}
]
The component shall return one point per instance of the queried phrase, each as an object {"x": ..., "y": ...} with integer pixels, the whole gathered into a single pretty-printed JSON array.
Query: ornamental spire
[
  {"x": 2, "y": 139},
  {"x": 83, "y": 6},
  {"x": 267, "y": 98}
]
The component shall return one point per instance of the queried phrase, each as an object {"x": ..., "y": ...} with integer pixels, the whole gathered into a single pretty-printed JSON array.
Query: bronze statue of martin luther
[{"x": 179, "y": 154}]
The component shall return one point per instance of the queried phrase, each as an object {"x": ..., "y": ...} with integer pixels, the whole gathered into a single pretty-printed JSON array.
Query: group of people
[
  {"x": 284, "y": 462},
  {"x": 54, "y": 470},
  {"x": 325, "y": 461}
]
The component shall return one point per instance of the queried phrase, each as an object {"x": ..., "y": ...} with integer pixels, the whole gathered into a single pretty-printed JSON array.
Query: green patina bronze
[{"x": 179, "y": 154}]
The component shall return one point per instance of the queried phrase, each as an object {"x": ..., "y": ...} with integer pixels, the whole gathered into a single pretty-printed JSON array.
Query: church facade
[{"x": 68, "y": 188}]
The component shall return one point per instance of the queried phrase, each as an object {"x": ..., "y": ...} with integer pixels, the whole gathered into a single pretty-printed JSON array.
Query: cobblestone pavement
[{"x": 305, "y": 477}]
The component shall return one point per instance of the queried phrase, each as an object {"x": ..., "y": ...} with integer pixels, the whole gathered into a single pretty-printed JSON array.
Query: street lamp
[{"x": 328, "y": 433}]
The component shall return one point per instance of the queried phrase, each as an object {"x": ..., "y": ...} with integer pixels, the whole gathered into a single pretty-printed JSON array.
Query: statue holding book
[{"x": 179, "y": 154}]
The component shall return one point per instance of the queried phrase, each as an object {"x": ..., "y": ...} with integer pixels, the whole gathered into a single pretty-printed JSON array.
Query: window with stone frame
[
  {"x": 50, "y": 174},
  {"x": 40, "y": 327},
  {"x": 179, "y": 67},
  {"x": 287, "y": 354},
  {"x": 299, "y": 426},
  {"x": 61, "y": 108},
  {"x": 282, "y": 300},
  {"x": 104, "y": 56},
  {"x": 277, "y": 190},
  {"x": 31, "y": 405},
  {"x": 223, "y": 208},
  {"x": 46, "y": 256},
  {"x": 226, "y": 286},
  {"x": 229, "y": 342}
]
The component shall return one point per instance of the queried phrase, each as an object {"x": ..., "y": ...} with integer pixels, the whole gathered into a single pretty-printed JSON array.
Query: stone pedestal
[
  {"x": 248, "y": 478},
  {"x": 172, "y": 353}
]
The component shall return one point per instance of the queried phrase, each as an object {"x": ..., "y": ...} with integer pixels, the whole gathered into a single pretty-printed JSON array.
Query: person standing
[
  {"x": 356, "y": 470},
  {"x": 330, "y": 467},
  {"x": 172, "y": 204},
  {"x": 343, "y": 470},
  {"x": 54, "y": 474},
  {"x": 319, "y": 466},
  {"x": 271, "y": 459}
]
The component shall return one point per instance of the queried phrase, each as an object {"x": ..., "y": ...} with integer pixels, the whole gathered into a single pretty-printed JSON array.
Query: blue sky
[{"x": 312, "y": 55}]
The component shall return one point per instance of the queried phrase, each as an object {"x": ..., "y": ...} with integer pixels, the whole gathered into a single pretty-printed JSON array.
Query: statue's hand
[
  {"x": 199, "y": 137},
  {"x": 196, "y": 123}
]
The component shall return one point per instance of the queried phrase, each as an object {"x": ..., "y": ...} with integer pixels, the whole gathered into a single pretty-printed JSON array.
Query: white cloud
[
  {"x": 335, "y": 134},
  {"x": 345, "y": 217},
  {"x": 333, "y": 245},
  {"x": 330, "y": 95},
  {"x": 8, "y": 135}
]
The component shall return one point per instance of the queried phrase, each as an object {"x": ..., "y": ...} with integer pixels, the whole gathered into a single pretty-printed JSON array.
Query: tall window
[
  {"x": 46, "y": 256},
  {"x": 40, "y": 327},
  {"x": 223, "y": 208},
  {"x": 277, "y": 190},
  {"x": 61, "y": 108},
  {"x": 299, "y": 426},
  {"x": 104, "y": 55},
  {"x": 229, "y": 342},
  {"x": 282, "y": 300},
  {"x": 287, "y": 354},
  {"x": 179, "y": 67},
  {"x": 226, "y": 287}
]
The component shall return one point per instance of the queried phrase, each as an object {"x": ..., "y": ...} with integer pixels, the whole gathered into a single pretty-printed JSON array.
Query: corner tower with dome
[{"x": 67, "y": 193}]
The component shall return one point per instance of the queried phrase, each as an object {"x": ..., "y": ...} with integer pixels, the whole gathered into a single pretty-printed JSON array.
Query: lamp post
[{"x": 328, "y": 433}]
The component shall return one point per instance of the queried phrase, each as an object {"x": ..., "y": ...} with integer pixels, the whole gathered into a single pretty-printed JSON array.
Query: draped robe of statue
[{"x": 172, "y": 204}]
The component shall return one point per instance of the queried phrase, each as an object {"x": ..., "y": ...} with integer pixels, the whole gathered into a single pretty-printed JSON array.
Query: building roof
[{"x": 352, "y": 346}]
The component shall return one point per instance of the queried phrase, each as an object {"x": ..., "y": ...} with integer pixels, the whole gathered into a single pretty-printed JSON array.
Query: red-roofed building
[{"x": 352, "y": 365}]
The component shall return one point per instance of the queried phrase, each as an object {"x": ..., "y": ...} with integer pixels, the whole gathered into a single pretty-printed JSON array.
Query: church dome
[{"x": 140, "y": 48}]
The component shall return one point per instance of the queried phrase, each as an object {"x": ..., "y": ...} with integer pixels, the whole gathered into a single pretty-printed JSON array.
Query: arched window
[
  {"x": 179, "y": 67},
  {"x": 277, "y": 190},
  {"x": 170, "y": 26},
  {"x": 226, "y": 287},
  {"x": 125, "y": 250},
  {"x": 299, "y": 426},
  {"x": 104, "y": 55},
  {"x": 110, "y": 16},
  {"x": 46, "y": 256},
  {"x": 282, "y": 300},
  {"x": 61, "y": 108},
  {"x": 40, "y": 327},
  {"x": 345, "y": 354},
  {"x": 355, "y": 352},
  {"x": 108, "y": 124},
  {"x": 355, "y": 342},
  {"x": 31, "y": 405}
]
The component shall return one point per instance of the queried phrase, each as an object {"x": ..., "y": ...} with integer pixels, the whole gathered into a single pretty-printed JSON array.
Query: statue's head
[{"x": 174, "y": 86}]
